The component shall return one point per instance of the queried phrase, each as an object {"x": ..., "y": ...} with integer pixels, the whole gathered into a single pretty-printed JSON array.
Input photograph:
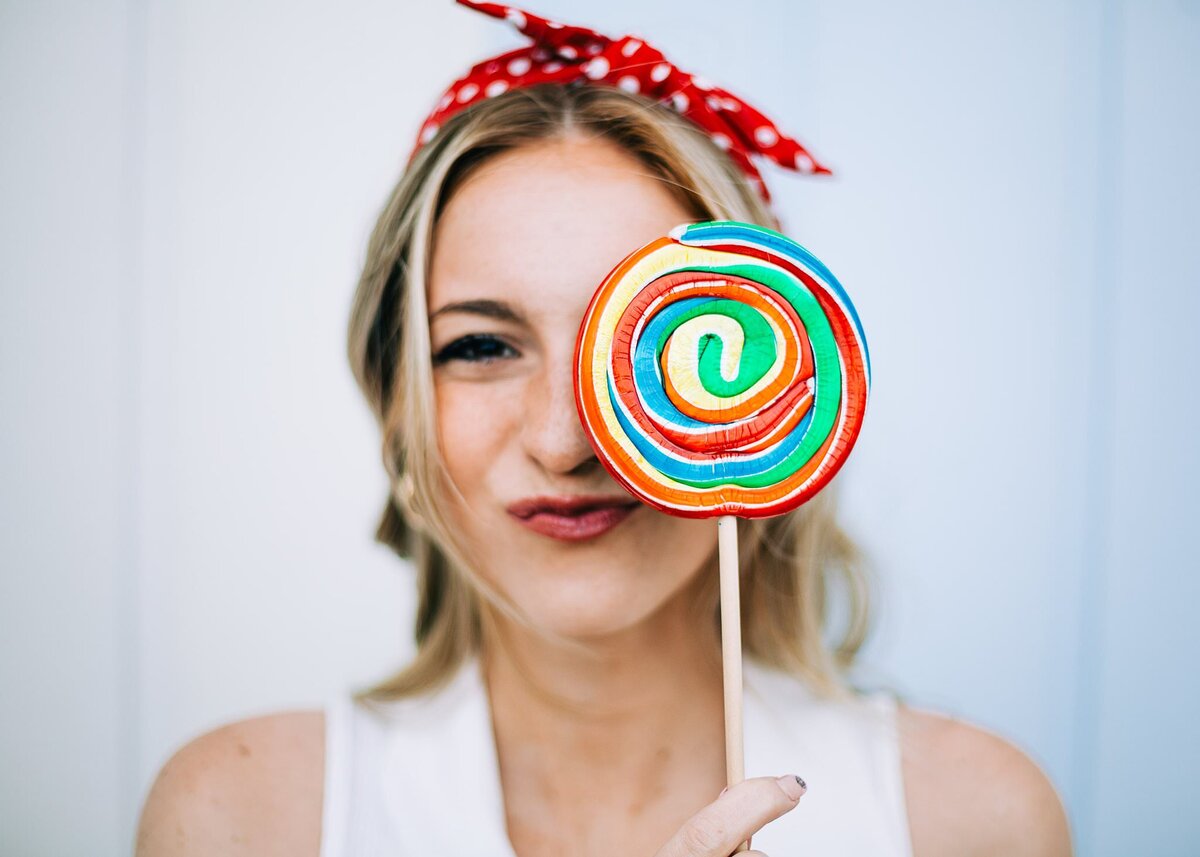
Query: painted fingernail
[{"x": 793, "y": 786}]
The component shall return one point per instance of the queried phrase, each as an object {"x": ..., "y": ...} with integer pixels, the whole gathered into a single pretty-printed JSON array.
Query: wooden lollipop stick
[{"x": 731, "y": 651}]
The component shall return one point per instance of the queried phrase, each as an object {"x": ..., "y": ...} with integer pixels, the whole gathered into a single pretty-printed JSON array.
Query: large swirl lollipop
[{"x": 722, "y": 371}]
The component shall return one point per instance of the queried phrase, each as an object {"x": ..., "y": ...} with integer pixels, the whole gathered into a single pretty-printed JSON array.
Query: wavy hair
[{"x": 791, "y": 564}]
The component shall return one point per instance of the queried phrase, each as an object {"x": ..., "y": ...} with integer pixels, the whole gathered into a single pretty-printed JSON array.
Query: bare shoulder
[
  {"x": 971, "y": 792},
  {"x": 251, "y": 787}
]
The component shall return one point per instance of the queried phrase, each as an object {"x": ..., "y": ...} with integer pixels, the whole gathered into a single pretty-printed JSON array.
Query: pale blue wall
[{"x": 1015, "y": 213}]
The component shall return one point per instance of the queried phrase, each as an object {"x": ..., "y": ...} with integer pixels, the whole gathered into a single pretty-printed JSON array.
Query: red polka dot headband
[{"x": 562, "y": 53}]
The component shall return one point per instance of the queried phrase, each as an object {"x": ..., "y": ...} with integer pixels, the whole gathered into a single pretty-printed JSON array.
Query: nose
[{"x": 552, "y": 433}]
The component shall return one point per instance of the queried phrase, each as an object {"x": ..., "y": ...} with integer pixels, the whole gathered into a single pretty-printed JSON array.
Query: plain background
[{"x": 191, "y": 481}]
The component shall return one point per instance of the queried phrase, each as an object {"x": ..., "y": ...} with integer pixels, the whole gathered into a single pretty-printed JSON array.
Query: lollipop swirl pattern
[{"x": 722, "y": 370}]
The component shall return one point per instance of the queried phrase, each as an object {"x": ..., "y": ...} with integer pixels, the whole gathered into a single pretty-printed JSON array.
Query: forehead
[{"x": 540, "y": 226}]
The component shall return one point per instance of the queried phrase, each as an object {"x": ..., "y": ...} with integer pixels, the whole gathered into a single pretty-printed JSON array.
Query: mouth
[{"x": 572, "y": 518}]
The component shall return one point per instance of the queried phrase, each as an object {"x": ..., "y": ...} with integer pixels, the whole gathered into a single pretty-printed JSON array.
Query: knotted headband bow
[{"x": 562, "y": 53}]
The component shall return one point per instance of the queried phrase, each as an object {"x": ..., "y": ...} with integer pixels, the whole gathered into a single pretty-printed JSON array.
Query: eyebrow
[{"x": 498, "y": 310}]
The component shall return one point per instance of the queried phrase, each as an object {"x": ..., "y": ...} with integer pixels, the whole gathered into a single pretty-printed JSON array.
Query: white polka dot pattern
[
  {"x": 597, "y": 68},
  {"x": 766, "y": 136}
]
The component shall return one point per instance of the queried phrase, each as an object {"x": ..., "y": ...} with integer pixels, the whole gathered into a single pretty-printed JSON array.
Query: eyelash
[{"x": 473, "y": 349}]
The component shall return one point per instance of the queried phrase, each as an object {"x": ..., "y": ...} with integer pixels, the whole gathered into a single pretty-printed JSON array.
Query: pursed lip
[{"x": 572, "y": 518}]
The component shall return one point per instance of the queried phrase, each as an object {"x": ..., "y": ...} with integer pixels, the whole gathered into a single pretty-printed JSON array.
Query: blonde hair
[{"x": 791, "y": 563}]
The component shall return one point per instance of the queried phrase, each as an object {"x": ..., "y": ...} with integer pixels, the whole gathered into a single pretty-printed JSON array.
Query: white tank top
[{"x": 420, "y": 776}]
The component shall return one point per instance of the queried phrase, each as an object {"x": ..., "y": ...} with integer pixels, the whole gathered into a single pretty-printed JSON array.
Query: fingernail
[{"x": 793, "y": 786}]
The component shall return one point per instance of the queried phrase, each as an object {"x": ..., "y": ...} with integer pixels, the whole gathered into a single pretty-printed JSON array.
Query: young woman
[{"x": 566, "y": 696}]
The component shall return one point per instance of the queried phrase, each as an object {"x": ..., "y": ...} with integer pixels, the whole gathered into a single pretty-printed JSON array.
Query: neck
[
  {"x": 626, "y": 718},
  {"x": 626, "y": 675}
]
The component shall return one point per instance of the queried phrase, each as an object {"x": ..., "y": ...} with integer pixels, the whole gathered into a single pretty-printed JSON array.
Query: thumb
[{"x": 736, "y": 814}]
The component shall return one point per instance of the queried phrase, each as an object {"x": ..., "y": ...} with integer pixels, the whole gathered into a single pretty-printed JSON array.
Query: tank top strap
[
  {"x": 339, "y": 744},
  {"x": 889, "y": 764},
  {"x": 414, "y": 776},
  {"x": 847, "y": 752}
]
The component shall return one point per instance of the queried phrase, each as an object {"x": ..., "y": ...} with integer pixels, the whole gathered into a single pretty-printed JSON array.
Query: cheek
[
  {"x": 676, "y": 546},
  {"x": 475, "y": 422}
]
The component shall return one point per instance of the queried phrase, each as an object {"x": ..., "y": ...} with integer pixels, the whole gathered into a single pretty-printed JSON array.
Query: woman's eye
[{"x": 476, "y": 348}]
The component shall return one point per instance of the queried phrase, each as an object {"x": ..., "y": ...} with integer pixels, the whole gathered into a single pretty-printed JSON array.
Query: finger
[{"x": 734, "y": 817}]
